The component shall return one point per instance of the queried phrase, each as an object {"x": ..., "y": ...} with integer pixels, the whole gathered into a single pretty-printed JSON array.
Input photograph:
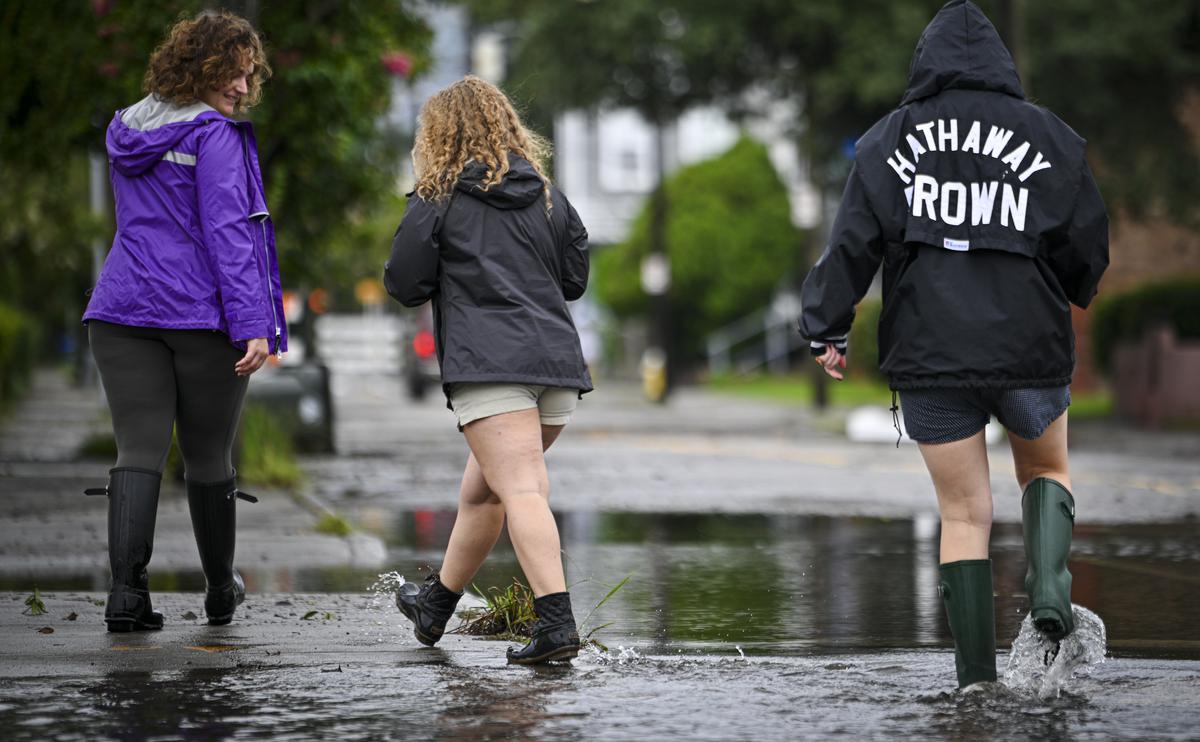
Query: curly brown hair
[
  {"x": 206, "y": 53},
  {"x": 471, "y": 120}
]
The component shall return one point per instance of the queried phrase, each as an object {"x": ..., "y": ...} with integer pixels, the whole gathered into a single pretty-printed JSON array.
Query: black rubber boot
[
  {"x": 132, "y": 513},
  {"x": 1048, "y": 515},
  {"x": 214, "y": 521},
  {"x": 554, "y": 635},
  {"x": 966, "y": 589},
  {"x": 429, "y": 607}
]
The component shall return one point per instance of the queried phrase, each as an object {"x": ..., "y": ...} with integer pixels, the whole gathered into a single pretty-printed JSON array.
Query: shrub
[
  {"x": 18, "y": 350},
  {"x": 864, "y": 340},
  {"x": 267, "y": 454},
  {"x": 729, "y": 237},
  {"x": 1128, "y": 315}
]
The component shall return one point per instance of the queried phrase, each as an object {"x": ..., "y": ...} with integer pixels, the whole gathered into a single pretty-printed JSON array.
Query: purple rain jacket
[{"x": 195, "y": 247}]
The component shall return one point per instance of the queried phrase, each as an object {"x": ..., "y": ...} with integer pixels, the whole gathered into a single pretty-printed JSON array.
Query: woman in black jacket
[
  {"x": 988, "y": 224},
  {"x": 500, "y": 252}
]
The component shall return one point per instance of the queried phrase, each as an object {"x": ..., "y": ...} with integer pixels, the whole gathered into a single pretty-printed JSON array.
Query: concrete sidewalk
[{"x": 47, "y": 525}]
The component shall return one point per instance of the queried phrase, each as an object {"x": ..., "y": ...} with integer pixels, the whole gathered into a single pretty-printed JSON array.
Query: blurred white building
[{"x": 605, "y": 160}]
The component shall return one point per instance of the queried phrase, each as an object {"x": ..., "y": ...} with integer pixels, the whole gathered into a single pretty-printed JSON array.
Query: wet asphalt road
[
  {"x": 708, "y": 452},
  {"x": 354, "y": 671}
]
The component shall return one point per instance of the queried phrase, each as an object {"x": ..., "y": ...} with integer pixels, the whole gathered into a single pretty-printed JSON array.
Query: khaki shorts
[{"x": 473, "y": 401}]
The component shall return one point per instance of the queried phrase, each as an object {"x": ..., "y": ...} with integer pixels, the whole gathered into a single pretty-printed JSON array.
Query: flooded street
[
  {"x": 730, "y": 627},
  {"x": 782, "y": 585},
  {"x": 873, "y": 697},
  {"x": 777, "y": 584},
  {"x": 373, "y": 688}
]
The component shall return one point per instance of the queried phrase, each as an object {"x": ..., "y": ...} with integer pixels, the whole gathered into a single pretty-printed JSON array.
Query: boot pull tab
[
  {"x": 96, "y": 492},
  {"x": 1068, "y": 509},
  {"x": 246, "y": 496}
]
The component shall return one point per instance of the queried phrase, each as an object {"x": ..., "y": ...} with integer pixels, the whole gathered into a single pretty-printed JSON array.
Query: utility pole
[
  {"x": 1012, "y": 25},
  {"x": 656, "y": 368}
]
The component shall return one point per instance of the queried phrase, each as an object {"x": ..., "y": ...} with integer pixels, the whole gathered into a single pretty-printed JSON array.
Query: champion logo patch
[{"x": 960, "y": 245}]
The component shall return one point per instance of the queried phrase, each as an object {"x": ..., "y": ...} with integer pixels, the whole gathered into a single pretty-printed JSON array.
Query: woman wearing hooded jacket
[
  {"x": 988, "y": 224},
  {"x": 500, "y": 252},
  {"x": 188, "y": 303}
]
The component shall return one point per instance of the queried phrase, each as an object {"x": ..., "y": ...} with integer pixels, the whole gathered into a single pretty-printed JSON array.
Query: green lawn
[{"x": 798, "y": 390}]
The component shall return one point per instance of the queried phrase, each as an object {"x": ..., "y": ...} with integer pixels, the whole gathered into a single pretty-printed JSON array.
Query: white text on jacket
[{"x": 948, "y": 201}]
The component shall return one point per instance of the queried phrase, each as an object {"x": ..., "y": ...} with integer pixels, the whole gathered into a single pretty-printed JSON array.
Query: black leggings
[{"x": 155, "y": 379}]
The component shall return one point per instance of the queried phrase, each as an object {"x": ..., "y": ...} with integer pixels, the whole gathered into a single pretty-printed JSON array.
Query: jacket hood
[
  {"x": 961, "y": 49},
  {"x": 141, "y": 135},
  {"x": 520, "y": 187}
]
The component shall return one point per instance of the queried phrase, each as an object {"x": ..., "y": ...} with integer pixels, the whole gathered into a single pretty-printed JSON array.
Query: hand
[
  {"x": 832, "y": 360},
  {"x": 257, "y": 353}
]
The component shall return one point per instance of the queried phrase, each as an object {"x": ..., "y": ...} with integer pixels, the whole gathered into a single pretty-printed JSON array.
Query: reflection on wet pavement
[
  {"x": 786, "y": 584},
  {"x": 876, "y": 696}
]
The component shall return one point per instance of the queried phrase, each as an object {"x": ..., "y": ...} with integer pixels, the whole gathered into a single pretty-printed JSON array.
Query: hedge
[
  {"x": 18, "y": 350},
  {"x": 1128, "y": 315}
]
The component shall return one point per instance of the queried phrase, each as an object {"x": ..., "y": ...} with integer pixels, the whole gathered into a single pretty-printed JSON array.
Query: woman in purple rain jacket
[{"x": 188, "y": 304}]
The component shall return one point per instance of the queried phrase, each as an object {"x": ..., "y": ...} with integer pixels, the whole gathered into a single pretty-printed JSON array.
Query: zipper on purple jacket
[{"x": 270, "y": 292}]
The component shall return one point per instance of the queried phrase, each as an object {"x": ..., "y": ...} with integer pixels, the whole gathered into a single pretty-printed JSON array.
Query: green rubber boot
[
  {"x": 1048, "y": 512},
  {"x": 966, "y": 589}
]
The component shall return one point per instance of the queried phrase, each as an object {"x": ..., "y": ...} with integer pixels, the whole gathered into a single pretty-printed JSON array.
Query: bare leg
[
  {"x": 1045, "y": 456},
  {"x": 481, "y": 512},
  {"x": 960, "y": 476},
  {"x": 476, "y": 529}
]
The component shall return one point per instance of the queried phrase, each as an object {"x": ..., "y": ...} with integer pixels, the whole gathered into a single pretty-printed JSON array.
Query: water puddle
[{"x": 771, "y": 584}]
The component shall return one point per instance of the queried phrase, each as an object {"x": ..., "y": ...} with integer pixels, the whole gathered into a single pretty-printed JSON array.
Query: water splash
[
  {"x": 622, "y": 655},
  {"x": 739, "y": 649},
  {"x": 383, "y": 603},
  {"x": 1043, "y": 667},
  {"x": 385, "y": 587}
]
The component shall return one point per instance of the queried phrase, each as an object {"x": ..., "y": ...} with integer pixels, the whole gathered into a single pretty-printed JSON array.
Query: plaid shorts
[{"x": 947, "y": 415}]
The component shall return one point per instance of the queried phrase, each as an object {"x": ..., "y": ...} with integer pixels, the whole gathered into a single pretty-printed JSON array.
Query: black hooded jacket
[
  {"x": 500, "y": 270},
  {"x": 982, "y": 210}
]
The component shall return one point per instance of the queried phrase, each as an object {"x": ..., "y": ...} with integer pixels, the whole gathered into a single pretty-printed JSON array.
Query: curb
[{"x": 365, "y": 550}]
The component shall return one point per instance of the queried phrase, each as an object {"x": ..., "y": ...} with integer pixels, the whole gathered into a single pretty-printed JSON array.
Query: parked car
[{"x": 421, "y": 370}]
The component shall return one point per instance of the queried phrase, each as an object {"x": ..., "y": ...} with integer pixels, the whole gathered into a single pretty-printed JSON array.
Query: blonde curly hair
[
  {"x": 472, "y": 120},
  {"x": 204, "y": 53}
]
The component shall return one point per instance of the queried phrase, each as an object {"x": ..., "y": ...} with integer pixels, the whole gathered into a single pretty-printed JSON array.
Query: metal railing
[{"x": 775, "y": 324}]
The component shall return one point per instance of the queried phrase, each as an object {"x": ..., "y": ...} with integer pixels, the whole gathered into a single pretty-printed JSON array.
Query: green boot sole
[
  {"x": 966, "y": 589},
  {"x": 1048, "y": 514}
]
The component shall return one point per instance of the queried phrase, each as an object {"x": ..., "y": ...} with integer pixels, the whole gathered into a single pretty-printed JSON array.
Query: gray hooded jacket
[{"x": 500, "y": 270}]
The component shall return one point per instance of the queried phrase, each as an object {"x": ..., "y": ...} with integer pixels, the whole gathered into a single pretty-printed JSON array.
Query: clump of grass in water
[
  {"x": 509, "y": 615},
  {"x": 34, "y": 604}
]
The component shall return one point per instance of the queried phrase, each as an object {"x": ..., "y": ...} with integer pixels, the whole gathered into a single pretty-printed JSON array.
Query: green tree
[
  {"x": 1120, "y": 76},
  {"x": 729, "y": 237}
]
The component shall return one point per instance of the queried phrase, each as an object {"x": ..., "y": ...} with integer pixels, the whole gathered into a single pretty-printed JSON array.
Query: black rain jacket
[
  {"x": 984, "y": 214},
  {"x": 500, "y": 270}
]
